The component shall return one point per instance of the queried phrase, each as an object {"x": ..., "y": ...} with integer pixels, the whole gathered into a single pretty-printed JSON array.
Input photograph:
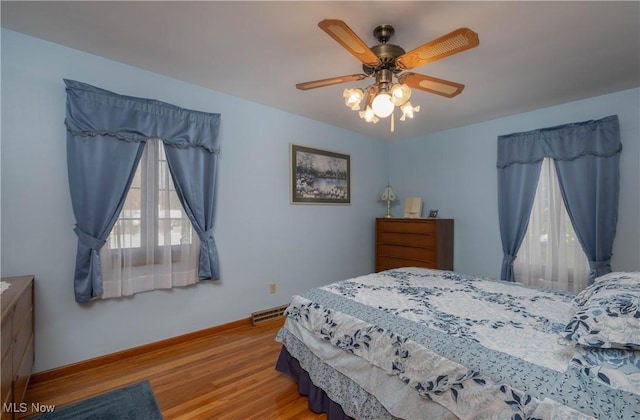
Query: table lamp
[{"x": 388, "y": 195}]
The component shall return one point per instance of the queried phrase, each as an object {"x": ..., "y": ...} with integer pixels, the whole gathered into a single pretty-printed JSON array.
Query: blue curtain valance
[
  {"x": 90, "y": 112},
  {"x": 563, "y": 142}
]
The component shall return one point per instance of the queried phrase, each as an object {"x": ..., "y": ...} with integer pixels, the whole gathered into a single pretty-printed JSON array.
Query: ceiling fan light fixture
[
  {"x": 388, "y": 62},
  {"x": 408, "y": 110},
  {"x": 400, "y": 93},
  {"x": 353, "y": 97},
  {"x": 368, "y": 115},
  {"x": 382, "y": 105}
]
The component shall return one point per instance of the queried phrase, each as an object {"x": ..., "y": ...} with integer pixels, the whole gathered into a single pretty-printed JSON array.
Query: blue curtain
[
  {"x": 587, "y": 159},
  {"x": 106, "y": 135},
  {"x": 516, "y": 192},
  {"x": 198, "y": 199}
]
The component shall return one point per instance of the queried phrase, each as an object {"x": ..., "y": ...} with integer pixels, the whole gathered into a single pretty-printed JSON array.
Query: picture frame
[
  {"x": 433, "y": 214},
  {"x": 412, "y": 207},
  {"x": 319, "y": 176}
]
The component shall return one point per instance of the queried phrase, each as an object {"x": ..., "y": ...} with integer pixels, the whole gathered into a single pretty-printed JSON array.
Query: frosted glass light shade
[
  {"x": 408, "y": 110},
  {"x": 400, "y": 93},
  {"x": 368, "y": 115},
  {"x": 382, "y": 105},
  {"x": 352, "y": 98}
]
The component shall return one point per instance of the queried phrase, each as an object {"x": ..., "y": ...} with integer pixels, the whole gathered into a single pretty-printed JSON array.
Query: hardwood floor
[{"x": 229, "y": 375}]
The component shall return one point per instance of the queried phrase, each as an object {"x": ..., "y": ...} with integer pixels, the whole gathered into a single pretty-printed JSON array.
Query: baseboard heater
[{"x": 268, "y": 314}]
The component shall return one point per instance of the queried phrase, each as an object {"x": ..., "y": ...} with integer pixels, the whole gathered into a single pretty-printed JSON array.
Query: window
[
  {"x": 153, "y": 240},
  {"x": 102, "y": 163},
  {"x": 550, "y": 255},
  {"x": 151, "y": 215}
]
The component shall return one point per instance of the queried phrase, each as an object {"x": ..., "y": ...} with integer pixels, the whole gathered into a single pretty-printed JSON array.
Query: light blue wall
[
  {"x": 261, "y": 237},
  {"x": 455, "y": 171}
]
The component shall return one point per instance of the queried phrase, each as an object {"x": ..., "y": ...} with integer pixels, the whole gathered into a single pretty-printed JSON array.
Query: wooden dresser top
[{"x": 9, "y": 296}]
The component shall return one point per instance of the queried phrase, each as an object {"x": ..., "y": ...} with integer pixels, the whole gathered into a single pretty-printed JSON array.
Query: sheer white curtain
[
  {"x": 152, "y": 245},
  {"x": 550, "y": 256}
]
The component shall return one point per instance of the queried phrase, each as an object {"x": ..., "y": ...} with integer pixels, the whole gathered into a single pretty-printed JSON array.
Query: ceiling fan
[{"x": 386, "y": 61}]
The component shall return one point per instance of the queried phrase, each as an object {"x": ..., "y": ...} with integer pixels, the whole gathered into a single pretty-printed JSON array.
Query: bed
[{"x": 416, "y": 343}]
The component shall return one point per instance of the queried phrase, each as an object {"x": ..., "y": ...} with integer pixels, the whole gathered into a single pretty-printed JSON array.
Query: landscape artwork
[{"x": 319, "y": 176}]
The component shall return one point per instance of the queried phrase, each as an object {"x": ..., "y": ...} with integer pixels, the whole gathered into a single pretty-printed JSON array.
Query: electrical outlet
[{"x": 272, "y": 288}]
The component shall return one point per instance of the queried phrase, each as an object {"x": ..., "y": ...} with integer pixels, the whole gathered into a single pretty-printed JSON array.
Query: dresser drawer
[
  {"x": 22, "y": 336},
  {"x": 406, "y": 239},
  {"x": 387, "y": 263},
  {"x": 23, "y": 372},
  {"x": 7, "y": 334},
  {"x": 7, "y": 376},
  {"x": 7, "y": 408},
  {"x": 407, "y": 226},
  {"x": 408, "y": 253},
  {"x": 24, "y": 306}
]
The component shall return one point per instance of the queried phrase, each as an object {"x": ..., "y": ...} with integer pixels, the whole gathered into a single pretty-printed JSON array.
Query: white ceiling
[{"x": 531, "y": 54}]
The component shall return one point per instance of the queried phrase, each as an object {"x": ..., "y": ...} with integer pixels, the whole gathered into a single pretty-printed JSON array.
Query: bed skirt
[{"x": 319, "y": 402}]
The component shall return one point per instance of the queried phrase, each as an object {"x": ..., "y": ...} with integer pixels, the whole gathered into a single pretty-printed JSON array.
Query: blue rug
[{"x": 133, "y": 402}]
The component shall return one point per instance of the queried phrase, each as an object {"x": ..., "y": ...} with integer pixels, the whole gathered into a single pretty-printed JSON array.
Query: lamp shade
[{"x": 388, "y": 194}]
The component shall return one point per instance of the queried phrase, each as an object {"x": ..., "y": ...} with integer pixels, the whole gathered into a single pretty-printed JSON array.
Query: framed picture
[
  {"x": 433, "y": 214},
  {"x": 319, "y": 176}
]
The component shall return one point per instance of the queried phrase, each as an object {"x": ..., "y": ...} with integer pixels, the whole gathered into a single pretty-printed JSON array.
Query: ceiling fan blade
[
  {"x": 431, "y": 84},
  {"x": 339, "y": 31},
  {"x": 452, "y": 43},
  {"x": 331, "y": 81}
]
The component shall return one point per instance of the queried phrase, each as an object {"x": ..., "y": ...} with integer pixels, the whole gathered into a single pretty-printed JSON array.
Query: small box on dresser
[
  {"x": 17, "y": 342},
  {"x": 403, "y": 242}
]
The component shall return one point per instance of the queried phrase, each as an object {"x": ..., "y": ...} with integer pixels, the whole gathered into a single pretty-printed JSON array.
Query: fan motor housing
[{"x": 387, "y": 53}]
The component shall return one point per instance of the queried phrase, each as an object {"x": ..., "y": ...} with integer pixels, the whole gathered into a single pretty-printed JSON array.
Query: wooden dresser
[
  {"x": 414, "y": 243},
  {"x": 17, "y": 342}
]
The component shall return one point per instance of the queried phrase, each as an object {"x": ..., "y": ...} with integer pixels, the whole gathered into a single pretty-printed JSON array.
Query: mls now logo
[{"x": 24, "y": 407}]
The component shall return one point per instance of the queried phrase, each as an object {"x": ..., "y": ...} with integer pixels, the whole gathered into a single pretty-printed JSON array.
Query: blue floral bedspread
[{"x": 480, "y": 348}]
